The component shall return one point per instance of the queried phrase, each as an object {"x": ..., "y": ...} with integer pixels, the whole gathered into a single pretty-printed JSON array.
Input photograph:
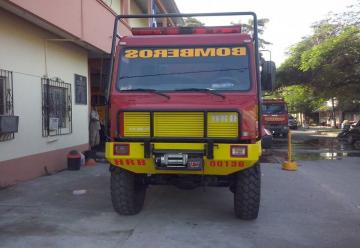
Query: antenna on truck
[{"x": 176, "y": 15}]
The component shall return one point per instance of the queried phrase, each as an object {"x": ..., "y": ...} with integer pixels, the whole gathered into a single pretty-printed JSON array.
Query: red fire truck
[
  {"x": 184, "y": 109},
  {"x": 275, "y": 116}
]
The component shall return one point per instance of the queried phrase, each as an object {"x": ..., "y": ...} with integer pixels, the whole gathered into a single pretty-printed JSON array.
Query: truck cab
[
  {"x": 275, "y": 116},
  {"x": 184, "y": 110}
]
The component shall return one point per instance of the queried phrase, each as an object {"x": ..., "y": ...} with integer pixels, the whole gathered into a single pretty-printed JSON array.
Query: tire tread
[
  {"x": 247, "y": 193},
  {"x": 127, "y": 195}
]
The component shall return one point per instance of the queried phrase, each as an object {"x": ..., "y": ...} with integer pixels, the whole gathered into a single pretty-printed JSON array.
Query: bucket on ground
[{"x": 74, "y": 160}]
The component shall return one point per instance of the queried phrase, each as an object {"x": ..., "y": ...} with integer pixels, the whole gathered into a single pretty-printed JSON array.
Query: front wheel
[
  {"x": 247, "y": 193},
  {"x": 342, "y": 134},
  {"x": 357, "y": 144},
  {"x": 127, "y": 192}
]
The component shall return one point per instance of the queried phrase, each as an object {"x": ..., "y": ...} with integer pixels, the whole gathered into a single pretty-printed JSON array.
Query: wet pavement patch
[
  {"x": 307, "y": 147},
  {"x": 27, "y": 228}
]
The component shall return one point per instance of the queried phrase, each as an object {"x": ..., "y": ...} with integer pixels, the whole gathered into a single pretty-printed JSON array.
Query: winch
[{"x": 172, "y": 160}]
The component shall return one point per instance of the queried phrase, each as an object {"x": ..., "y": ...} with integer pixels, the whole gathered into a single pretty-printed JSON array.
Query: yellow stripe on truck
[{"x": 222, "y": 164}]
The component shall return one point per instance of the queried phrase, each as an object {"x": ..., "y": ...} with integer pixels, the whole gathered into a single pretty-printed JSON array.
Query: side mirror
[{"x": 268, "y": 75}]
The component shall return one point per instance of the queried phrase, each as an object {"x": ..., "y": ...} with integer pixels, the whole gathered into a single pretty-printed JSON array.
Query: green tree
[
  {"x": 329, "y": 60},
  {"x": 193, "y": 22},
  {"x": 289, "y": 72},
  {"x": 249, "y": 28},
  {"x": 299, "y": 98},
  {"x": 335, "y": 64}
]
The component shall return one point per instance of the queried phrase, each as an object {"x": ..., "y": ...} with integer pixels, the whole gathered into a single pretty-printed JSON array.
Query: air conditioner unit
[{"x": 9, "y": 124}]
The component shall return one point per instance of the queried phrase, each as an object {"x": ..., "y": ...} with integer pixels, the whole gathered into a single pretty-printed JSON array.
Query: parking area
[{"x": 316, "y": 206}]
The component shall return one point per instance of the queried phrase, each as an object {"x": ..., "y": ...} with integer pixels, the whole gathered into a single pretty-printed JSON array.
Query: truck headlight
[
  {"x": 121, "y": 149},
  {"x": 238, "y": 151}
]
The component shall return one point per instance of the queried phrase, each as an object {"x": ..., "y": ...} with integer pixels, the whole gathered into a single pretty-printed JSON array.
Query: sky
[{"x": 290, "y": 20}]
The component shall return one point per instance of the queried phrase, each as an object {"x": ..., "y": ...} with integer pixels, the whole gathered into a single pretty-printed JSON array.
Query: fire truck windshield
[
  {"x": 174, "y": 69},
  {"x": 273, "y": 108}
]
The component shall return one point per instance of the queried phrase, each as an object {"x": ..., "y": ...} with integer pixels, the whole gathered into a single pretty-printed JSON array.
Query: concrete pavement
[{"x": 317, "y": 206}]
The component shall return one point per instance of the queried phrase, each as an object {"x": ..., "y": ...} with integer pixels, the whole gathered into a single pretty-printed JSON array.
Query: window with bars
[
  {"x": 6, "y": 93},
  {"x": 6, "y": 100},
  {"x": 56, "y": 107}
]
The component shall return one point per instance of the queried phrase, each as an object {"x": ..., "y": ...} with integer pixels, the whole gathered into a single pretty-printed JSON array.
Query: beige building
[{"x": 53, "y": 57}]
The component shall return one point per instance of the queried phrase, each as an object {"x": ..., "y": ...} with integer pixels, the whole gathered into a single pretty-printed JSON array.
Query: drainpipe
[{"x": 82, "y": 19}]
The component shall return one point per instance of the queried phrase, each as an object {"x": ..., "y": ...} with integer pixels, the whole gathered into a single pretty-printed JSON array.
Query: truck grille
[
  {"x": 179, "y": 124},
  {"x": 222, "y": 124},
  {"x": 136, "y": 124}
]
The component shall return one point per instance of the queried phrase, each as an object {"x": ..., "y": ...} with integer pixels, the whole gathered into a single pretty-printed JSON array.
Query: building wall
[
  {"x": 134, "y": 9},
  {"x": 23, "y": 52},
  {"x": 54, "y": 39},
  {"x": 90, "y": 21}
]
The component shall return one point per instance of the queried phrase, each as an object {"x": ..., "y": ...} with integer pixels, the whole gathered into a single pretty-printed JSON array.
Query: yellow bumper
[{"x": 221, "y": 164}]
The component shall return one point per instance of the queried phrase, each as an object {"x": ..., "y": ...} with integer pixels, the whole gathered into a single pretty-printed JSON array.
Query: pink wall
[
  {"x": 29, "y": 167},
  {"x": 89, "y": 20}
]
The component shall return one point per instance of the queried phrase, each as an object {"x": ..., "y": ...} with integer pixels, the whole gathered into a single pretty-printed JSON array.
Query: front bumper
[
  {"x": 221, "y": 163},
  {"x": 278, "y": 129}
]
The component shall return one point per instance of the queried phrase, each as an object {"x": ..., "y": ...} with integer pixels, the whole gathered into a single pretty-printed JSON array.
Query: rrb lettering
[{"x": 130, "y": 162}]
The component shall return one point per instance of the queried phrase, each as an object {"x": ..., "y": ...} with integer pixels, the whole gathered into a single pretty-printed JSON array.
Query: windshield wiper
[
  {"x": 202, "y": 90},
  {"x": 148, "y": 90},
  {"x": 180, "y": 73}
]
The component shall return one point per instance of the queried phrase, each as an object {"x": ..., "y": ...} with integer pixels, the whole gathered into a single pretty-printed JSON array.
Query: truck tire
[
  {"x": 127, "y": 192},
  {"x": 247, "y": 193},
  {"x": 357, "y": 144}
]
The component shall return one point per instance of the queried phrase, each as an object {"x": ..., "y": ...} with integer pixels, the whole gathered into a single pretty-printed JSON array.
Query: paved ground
[{"x": 317, "y": 206}]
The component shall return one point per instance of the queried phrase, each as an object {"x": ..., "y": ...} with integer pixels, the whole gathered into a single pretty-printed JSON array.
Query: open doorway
[{"x": 98, "y": 70}]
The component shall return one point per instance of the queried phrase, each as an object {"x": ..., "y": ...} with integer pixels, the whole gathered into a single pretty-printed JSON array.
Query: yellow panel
[
  {"x": 222, "y": 124},
  {"x": 179, "y": 124},
  {"x": 136, "y": 124},
  {"x": 179, "y": 146}
]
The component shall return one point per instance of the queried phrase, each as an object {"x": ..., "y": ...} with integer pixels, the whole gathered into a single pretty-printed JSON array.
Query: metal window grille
[
  {"x": 56, "y": 107},
  {"x": 6, "y": 99}
]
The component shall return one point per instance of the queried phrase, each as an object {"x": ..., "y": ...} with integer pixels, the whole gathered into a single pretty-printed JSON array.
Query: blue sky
[{"x": 289, "y": 20}]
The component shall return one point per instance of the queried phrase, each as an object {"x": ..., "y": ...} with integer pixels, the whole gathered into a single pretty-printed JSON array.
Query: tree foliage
[
  {"x": 193, "y": 22},
  {"x": 299, "y": 98},
  {"x": 328, "y": 60},
  {"x": 249, "y": 28}
]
